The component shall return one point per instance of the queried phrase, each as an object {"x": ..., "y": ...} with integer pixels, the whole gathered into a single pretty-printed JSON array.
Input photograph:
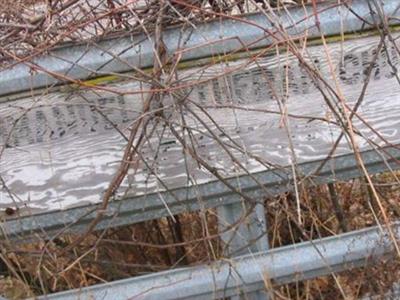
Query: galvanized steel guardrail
[
  {"x": 248, "y": 273},
  {"x": 213, "y": 194},
  {"x": 245, "y": 273},
  {"x": 207, "y": 39}
]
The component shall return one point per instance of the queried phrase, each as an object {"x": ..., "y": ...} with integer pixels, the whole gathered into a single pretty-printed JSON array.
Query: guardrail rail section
[{"x": 257, "y": 128}]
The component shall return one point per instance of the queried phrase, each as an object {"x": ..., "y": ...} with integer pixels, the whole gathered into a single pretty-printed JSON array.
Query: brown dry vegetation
[
  {"x": 161, "y": 244},
  {"x": 41, "y": 267}
]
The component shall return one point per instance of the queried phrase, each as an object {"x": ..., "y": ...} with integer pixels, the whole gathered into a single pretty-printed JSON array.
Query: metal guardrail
[
  {"x": 245, "y": 273},
  {"x": 393, "y": 294},
  {"x": 250, "y": 272},
  {"x": 207, "y": 39},
  {"x": 213, "y": 194}
]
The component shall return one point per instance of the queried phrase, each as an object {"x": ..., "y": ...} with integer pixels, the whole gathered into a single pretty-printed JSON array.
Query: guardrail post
[{"x": 250, "y": 236}]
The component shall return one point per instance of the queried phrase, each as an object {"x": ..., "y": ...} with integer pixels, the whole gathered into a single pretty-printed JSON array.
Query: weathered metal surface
[
  {"x": 248, "y": 273},
  {"x": 61, "y": 150},
  {"x": 212, "y": 194},
  {"x": 251, "y": 236},
  {"x": 208, "y": 39},
  {"x": 61, "y": 153},
  {"x": 392, "y": 294}
]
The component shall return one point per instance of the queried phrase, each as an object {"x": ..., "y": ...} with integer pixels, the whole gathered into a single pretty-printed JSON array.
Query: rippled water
[{"x": 62, "y": 150}]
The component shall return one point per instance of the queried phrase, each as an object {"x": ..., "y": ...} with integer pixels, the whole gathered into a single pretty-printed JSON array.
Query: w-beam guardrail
[
  {"x": 249, "y": 273},
  {"x": 209, "y": 39},
  {"x": 72, "y": 152}
]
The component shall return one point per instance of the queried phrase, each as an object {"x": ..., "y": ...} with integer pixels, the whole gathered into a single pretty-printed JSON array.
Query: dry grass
[
  {"x": 374, "y": 280},
  {"x": 41, "y": 267},
  {"x": 160, "y": 244}
]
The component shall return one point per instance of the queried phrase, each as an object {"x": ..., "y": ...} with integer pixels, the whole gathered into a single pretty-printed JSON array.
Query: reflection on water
[{"x": 62, "y": 150}]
